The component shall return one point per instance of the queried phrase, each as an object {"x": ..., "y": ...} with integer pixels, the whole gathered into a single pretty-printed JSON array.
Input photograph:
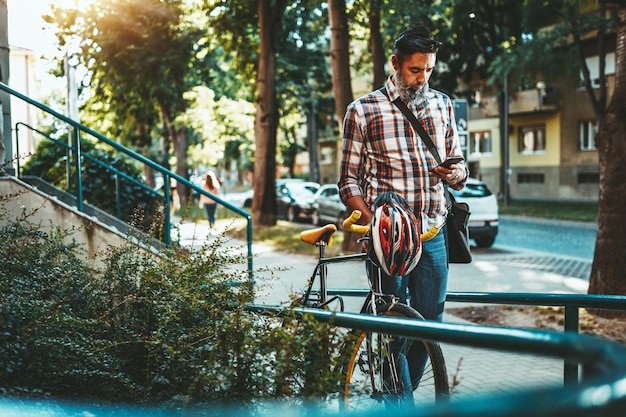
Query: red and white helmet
[{"x": 395, "y": 245}]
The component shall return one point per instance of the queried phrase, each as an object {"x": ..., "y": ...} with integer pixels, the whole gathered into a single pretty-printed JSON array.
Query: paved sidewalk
[{"x": 500, "y": 269}]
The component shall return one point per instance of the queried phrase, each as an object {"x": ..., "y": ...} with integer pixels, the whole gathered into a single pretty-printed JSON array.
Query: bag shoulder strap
[{"x": 423, "y": 134}]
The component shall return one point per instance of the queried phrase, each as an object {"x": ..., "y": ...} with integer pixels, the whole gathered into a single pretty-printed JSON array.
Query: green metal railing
[
  {"x": 118, "y": 174},
  {"x": 75, "y": 148},
  {"x": 572, "y": 304},
  {"x": 601, "y": 393}
]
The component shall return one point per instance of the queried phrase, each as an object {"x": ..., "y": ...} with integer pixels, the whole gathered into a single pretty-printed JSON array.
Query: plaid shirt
[{"x": 382, "y": 152}]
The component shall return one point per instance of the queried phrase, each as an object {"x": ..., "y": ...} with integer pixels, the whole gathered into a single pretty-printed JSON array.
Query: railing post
[
  {"x": 79, "y": 167},
  {"x": 17, "y": 150},
  {"x": 249, "y": 238},
  {"x": 118, "y": 194},
  {"x": 68, "y": 164},
  {"x": 570, "y": 370},
  {"x": 167, "y": 210}
]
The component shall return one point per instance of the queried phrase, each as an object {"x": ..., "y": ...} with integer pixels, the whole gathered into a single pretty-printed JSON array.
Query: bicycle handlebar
[{"x": 350, "y": 225}]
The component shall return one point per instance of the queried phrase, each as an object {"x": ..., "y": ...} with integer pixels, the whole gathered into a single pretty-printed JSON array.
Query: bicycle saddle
[{"x": 324, "y": 233}]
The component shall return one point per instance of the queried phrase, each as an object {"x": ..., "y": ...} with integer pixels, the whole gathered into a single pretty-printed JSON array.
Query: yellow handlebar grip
[
  {"x": 430, "y": 234},
  {"x": 354, "y": 217},
  {"x": 350, "y": 226}
]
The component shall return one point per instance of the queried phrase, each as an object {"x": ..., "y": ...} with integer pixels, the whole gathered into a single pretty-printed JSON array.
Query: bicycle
[{"x": 375, "y": 366}]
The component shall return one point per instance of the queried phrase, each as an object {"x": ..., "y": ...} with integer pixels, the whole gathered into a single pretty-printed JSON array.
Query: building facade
[{"x": 551, "y": 151}]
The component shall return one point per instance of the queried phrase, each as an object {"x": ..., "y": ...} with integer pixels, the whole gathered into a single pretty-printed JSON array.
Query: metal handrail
[
  {"x": 167, "y": 174},
  {"x": 96, "y": 161},
  {"x": 600, "y": 394},
  {"x": 571, "y": 302}
]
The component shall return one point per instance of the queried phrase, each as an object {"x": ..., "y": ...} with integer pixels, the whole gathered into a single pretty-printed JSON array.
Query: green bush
[{"x": 152, "y": 328}]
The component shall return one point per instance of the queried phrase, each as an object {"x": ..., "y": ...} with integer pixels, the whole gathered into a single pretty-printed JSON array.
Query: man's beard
[{"x": 409, "y": 94}]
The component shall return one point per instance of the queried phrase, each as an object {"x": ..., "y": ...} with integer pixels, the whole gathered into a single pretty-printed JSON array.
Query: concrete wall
[{"x": 23, "y": 202}]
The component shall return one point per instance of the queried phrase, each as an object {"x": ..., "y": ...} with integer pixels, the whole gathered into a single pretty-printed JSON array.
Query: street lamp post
[{"x": 506, "y": 170}]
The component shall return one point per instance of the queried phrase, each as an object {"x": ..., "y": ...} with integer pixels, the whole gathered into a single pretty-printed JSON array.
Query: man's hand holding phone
[
  {"x": 449, "y": 171},
  {"x": 450, "y": 161}
]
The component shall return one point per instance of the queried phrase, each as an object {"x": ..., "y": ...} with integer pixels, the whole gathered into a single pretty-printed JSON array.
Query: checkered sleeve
[{"x": 352, "y": 151}]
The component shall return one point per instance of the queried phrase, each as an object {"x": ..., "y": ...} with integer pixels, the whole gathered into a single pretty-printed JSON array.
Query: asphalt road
[{"x": 557, "y": 238}]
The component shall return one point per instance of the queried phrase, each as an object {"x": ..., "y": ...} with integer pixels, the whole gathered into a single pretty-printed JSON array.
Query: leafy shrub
[{"x": 153, "y": 328}]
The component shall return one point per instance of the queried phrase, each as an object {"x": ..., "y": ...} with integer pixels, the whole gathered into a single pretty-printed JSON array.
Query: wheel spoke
[{"x": 377, "y": 376}]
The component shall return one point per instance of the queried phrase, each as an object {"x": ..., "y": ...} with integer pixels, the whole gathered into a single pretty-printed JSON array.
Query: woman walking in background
[{"x": 212, "y": 185}]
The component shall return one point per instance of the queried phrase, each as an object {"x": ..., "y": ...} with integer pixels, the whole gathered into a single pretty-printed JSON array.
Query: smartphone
[{"x": 450, "y": 161}]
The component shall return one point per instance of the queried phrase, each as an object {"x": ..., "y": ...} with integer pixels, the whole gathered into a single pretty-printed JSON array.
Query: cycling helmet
[{"x": 395, "y": 245}]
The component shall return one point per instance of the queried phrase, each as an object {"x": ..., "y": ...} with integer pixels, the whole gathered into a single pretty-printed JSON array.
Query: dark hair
[{"x": 416, "y": 39}]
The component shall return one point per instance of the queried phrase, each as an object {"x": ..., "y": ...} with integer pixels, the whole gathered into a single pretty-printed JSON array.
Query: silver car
[
  {"x": 294, "y": 199},
  {"x": 327, "y": 206}
]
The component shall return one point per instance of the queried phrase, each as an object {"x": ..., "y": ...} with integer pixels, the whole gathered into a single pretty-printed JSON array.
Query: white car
[{"x": 483, "y": 207}]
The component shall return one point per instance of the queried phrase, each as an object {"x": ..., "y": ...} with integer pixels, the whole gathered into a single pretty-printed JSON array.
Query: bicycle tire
[{"x": 365, "y": 387}]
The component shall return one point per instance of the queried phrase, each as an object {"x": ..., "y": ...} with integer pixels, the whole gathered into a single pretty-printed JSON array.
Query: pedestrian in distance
[
  {"x": 211, "y": 185},
  {"x": 174, "y": 197},
  {"x": 381, "y": 152}
]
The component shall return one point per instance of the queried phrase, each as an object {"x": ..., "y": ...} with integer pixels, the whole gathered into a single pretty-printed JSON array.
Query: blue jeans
[
  {"x": 210, "y": 213},
  {"x": 427, "y": 285}
]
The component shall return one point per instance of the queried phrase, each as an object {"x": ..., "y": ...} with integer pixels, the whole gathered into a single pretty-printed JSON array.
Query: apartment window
[
  {"x": 593, "y": 64},
  {"x": 326, "y": 156},
  {"x": 588, "y": 178},
  {"x": 480, "y": 143},
  {"x": 532, "y": 139},
  {"x": 587, "y": 135},
  {"x": 531, "y": 178}
]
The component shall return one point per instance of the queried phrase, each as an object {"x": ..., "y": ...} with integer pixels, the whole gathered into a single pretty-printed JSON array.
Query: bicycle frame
[{"x": 321, "y": 270}]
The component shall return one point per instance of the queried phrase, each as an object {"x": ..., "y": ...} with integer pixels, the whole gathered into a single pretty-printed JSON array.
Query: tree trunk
[
  {"x": 342, "y": 84},
  {"x": 179, "y": 139},
  {"x": 609, "y": 261},
  {"x": 598, "y": 103},
  {"x": 180, "y": 152},
  {"x": 314, "y": 172},
  {"x": 376, "y": 45},
  {"x": 340, "y": 57},
  {"x": 266, "y": 119}
]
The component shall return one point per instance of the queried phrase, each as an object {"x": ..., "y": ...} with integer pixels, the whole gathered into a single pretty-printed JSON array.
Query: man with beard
[{"x": 382, "y": 152}]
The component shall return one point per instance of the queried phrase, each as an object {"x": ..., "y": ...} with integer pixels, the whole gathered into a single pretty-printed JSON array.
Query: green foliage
[
  {"x": 166, "y": 329},
  {"x": 100, "y": 186},
  {"x": 524, "y": 59},
  {"x": 49, "y": 310},
  {"x": 584, "y": 212},
  {"x": 224, "y": 128}
]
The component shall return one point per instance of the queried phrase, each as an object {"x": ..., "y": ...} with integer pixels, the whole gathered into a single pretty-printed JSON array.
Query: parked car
[
  {"x": 328, "y": 207},
  {"x": 483, "y": 206},
  {"x": 294, "y": 199},
  {"x": 240, "y": 199},
  {"x": 245, "y": 198}
]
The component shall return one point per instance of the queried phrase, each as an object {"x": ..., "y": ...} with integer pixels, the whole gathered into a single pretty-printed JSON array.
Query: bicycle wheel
[{"x": 376, "y": 372}]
